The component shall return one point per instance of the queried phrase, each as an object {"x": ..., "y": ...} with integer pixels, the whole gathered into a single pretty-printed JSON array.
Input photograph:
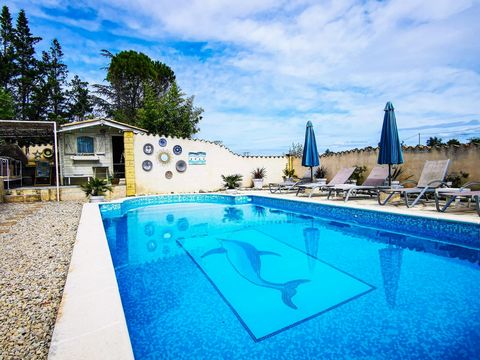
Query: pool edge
[{"x": 90, "y": 322}]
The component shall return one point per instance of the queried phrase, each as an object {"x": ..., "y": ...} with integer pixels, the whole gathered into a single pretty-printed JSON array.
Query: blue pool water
[{"x": 246, "y": 278}]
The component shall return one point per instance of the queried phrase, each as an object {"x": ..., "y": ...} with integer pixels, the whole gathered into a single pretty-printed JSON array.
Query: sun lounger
[
  {"x": 290, "y": 185},
  {"x": 451, "y": 195},
  {"x": 374, "y": 182},
  {"x": 432, "y": 177},
  {"x": 340, "y": 178}
]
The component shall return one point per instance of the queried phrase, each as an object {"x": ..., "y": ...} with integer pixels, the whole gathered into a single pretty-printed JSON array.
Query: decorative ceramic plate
[
  {"x": 177, "y": 149},
  {"x": 181, "y": 166},
  {"x": 168, "y": 174},
  {"x": 148, "y": 149},
  {"x": 164, "y": 157},
  {"x": 162, "y": 142},
  {"x": 147, "y": 165}
]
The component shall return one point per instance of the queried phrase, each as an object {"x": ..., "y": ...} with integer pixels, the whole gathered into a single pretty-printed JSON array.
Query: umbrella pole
[
  {"x": 389, "y": 175},
  {"x": 311, "y": 173}
]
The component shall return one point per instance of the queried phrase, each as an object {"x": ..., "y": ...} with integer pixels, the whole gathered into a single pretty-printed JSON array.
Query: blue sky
[{"x": 262, "y": 68}]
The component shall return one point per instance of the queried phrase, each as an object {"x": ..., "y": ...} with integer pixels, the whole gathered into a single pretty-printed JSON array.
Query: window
[{"x": 85, "y": 145}]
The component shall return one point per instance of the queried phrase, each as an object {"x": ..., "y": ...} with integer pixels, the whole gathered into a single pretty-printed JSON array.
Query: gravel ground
[{"x": 36, "y": 242}]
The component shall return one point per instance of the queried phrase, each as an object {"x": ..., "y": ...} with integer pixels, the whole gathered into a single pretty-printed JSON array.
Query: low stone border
[{"x": 91, "y": 322}]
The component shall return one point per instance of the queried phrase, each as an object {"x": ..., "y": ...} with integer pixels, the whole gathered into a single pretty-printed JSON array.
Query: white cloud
[{"x": 276, "y": 64}]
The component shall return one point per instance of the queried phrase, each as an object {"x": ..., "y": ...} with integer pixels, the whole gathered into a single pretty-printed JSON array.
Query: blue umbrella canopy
[
  {"x": 390, "y": 149},
  {"x": 310, "y": 153}
]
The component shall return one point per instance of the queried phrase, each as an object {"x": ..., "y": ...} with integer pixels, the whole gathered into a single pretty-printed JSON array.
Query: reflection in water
[
  {"x": 170, "y": 218},
  {"x": 182, "y": 224},
  {"x": 152, "y": 245},
  {"x": 391, "y": 265},
  {"x": 311, "y": 236},
  {"x": 232, "y": 214},
  {"x": 246, "y": 260},
  {"x": 149, "y": 229},
  {"x": 259, "y": 211}
]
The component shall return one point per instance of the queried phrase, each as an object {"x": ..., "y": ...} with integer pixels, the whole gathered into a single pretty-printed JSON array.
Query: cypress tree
[
  {"x": 56, "y": 80},
  {"x": 26, "y": 64},
  {"x": 7, "y": 66},
  {"x": 80, "y": 101}
]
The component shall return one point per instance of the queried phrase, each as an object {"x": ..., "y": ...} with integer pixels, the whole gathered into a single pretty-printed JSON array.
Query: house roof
[
  {"x": 100, "y": 122},
  {"x": 17, "y": 129}
]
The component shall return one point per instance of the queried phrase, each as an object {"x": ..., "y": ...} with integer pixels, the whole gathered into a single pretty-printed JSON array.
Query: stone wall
[
  {"x": 464, "y": 157},
  {"x": 197, "y": 177}
]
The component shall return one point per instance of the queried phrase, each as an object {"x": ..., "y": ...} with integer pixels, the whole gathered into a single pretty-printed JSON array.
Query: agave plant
[
  {"x": 259, "y": 173},
  {"x": 232, "y": 181},
  {"x": 96, "y": 187},
  {"x": 321, "y": 172},
  {"x": 289, "y": 173}
]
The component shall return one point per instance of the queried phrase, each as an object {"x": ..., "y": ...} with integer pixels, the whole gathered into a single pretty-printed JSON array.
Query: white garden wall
[{"x": 218, "y": 161}]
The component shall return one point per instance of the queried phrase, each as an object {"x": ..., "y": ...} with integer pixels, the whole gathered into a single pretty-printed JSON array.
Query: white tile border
[{"x": 90, "y": 321}]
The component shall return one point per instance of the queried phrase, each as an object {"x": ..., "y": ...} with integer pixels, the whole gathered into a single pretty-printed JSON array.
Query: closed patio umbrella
[
  {"x": 310, "y": 152},
  {"x": 390, "y": 149}
]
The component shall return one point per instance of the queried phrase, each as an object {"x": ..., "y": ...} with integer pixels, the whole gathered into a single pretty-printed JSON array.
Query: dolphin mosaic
[{"x": 246, "y": 260}]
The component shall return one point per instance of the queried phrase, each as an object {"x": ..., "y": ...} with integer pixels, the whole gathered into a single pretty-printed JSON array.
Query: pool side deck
[{"x": 91, "y": 323}]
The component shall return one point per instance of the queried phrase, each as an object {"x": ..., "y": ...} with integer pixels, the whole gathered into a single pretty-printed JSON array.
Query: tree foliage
[
  {"x": 434, "y": 141},
  {"x": 7, "y": 109},
  {"x": 79, "y": 100},
  {"x": 128, "y": 74},
  {"x": 7, "y": 66},
  {"x": 453, "y": 142},
  {"x": 172, "y": 114}
]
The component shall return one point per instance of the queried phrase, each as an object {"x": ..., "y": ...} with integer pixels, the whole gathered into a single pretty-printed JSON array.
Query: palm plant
[
  {"x": 289, "y": 173},
  {"x": 96, "y": 187},
  {"x": 232, "y": 181}
]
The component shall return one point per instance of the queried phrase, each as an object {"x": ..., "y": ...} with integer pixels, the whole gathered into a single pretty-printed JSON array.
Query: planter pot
[
  {"x": 395, "y": 184},
  {"x": 322, "y": 181},
  {"x": 97, "y": 199},
  {"x": 258, "y": 183},
  {"x": 231, "y": 191}
]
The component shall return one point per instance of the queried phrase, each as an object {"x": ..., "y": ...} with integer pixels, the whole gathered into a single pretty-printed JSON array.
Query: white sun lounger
[
  {"x": 340, "y": 178},
  {"x": 374, "y": 181},
  {"x": 432, "y": 177}
]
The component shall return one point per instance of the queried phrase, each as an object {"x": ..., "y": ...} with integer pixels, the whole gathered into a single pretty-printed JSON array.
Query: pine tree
[
  {"x": 26, "y": 64},
  {"x": 56, "y": 79},
  {"x": 7, "y": 110},
  {"x": 7, "y": 66},
  {"x": 80, "y": 102}
]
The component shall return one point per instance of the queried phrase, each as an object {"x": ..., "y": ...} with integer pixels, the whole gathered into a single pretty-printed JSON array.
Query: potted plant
[
  {"x": 321, "y": 175},
  {"x": 288, "y": 174},
  {"x": 96, "y": 189},
  {"x": 258, "y": 175},
  {"x": 232, "y": 182}
]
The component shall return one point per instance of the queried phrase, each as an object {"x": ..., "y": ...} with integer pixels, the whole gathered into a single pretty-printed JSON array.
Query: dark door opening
[{"x": 118, "y": 157}]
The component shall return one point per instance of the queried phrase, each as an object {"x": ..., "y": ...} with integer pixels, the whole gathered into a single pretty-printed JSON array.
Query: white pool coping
[{"x": 91, "y": 322}]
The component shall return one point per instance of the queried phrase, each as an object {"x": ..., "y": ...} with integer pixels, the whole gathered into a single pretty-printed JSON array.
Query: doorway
[{"x": 118, "y": 157}]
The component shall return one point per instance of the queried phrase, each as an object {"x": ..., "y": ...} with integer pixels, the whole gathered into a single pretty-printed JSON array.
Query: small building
[{"x": 92, "y": 148}]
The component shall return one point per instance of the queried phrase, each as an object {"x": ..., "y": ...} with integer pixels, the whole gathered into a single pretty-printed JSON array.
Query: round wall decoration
[
  {"x": 147, "y": 165},
  {"x": 162, "y": 142},
  {"x": 168, "y": 174},
  {"x": 181, "y": 166},
  {"x": 164, "y": 157},
  {"x": 47, "y": 153},
  {"x": 148, "y": 149},
  {"x": 177, "y": 149}
]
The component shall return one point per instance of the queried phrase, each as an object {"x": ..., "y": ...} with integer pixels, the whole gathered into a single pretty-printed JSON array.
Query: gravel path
[{"x": 36, "y": 242}]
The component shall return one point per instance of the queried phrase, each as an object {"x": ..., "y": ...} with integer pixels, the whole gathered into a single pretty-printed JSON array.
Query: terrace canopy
[{"x": 28, "y": 132}]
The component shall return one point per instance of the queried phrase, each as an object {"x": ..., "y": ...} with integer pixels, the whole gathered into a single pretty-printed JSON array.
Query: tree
[
  {"x": 55, "y": 72},
  {"x": 7, "y": 109},
  {"x": 79, "y": 101},
  {"x": 7, "y": 66},
  {"x": 474, "y": 140},
  {"x": 453, "y": 142},
  {"x": 128, "y": 74},
  {"x": 296, "y": 150},
  {"x": 434, "y": 141},
  {"x": 171, "y": 115},
  {"x": 328, "y": 152},
  {"x": 26, "y": 65}
]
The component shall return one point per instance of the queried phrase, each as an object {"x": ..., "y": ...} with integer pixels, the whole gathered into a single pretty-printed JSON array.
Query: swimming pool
[{"x": 249, "y": 277}]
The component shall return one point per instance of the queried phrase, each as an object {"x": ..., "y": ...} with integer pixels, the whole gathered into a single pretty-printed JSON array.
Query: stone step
[{"x": 22, "y": 198}]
